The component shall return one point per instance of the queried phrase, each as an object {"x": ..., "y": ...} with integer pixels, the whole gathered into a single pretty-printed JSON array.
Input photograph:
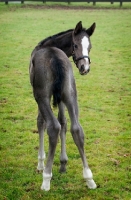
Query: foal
[{"x": 51, "y": 75}]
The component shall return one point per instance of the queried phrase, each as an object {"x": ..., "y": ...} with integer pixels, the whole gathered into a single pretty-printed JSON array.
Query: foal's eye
[{"x": 75, "y": 46}]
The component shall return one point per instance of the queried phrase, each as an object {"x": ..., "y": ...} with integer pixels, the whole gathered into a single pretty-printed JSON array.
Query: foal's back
[{"x": 51, "y": 74}]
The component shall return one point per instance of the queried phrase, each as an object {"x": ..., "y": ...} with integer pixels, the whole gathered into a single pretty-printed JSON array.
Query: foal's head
[{"x": 81, "y": 47}]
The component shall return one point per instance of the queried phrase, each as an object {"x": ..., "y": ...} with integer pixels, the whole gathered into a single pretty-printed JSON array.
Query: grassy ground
[{"x": 104, "y": 97}]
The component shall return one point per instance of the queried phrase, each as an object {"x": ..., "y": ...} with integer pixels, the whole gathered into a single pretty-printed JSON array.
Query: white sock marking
[
  {"x": 46, "y": 181},
  {"x": 40, "y": 166},
  {"x": 88, "y": 176}
]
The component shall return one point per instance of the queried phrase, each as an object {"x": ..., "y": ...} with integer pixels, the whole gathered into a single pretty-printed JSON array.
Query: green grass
[{"x": 104, "y": 98}]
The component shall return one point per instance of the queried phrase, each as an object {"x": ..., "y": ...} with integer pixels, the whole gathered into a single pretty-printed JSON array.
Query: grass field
[{"x": 104, "y": 98}]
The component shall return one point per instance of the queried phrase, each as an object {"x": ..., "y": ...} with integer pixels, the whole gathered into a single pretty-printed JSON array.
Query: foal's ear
[
  {"x": 78, "y": 28},
  {"x": 90, "y": 30}
]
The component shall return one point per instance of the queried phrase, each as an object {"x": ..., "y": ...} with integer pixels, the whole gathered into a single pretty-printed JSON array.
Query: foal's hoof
[
  {"x": 91, "y": 184},
  {"x": 62, "y": 169},
  {"x": 40, "y": 168},
  {"x": 46, "y": 181},
  {"x": 88, "y": 176},
  {"x": 45, "y": 186},
  {"x": 63, "y": 166}
]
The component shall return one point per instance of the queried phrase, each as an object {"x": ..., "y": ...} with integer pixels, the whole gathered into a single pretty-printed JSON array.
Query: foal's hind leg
[
  {"x": 63, "y": 123},
  {"x": 41, "y": 154},
  {"x": 78, "y": 137},
  {"x": 53, "y": 130}
]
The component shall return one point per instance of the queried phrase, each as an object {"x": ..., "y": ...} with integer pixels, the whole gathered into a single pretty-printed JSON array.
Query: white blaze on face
[{"x": 85, "y": 45}]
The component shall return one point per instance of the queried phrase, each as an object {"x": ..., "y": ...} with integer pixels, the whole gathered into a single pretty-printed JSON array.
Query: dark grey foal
[{"x": 51, "y": 75}]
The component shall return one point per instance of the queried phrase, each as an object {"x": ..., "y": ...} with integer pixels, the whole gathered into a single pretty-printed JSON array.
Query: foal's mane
[
  {"x": 54, "y": 36},
  {"x": 41, "y": 43}
]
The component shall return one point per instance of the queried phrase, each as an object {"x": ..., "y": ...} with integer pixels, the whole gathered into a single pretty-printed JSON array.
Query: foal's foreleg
[
  {"x": 63, "y": 123},
  {"x": 78, "y": 137},
  {"x": 41, "y": 154}
]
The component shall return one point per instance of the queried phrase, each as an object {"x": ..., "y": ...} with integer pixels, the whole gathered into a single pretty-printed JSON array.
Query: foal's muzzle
[{"x": 83, "y": 70}]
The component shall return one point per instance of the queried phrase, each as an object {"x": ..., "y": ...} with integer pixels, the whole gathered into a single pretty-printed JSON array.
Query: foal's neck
[{"x": 61, "y": 40}]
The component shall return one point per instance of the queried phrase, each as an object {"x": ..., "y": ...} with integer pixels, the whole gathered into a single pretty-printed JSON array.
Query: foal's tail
[
  {"x": 58, "y": 70},
  {"x": 31, "y": 69}
]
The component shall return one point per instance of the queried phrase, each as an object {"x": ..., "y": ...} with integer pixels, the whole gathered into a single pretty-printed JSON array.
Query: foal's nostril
[
  {"x": 88, "y": 70},
  {"x": 82, "y": 68}
]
